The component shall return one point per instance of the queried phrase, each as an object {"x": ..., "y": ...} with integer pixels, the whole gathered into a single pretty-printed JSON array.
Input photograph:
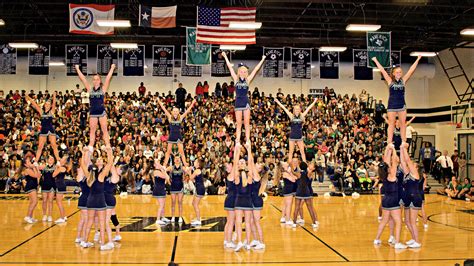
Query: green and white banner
[
  {"x": 378, "y": 45},
  {"x": 197, "y": 53}
]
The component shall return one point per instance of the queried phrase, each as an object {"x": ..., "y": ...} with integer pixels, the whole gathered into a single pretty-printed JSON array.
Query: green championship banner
[
  {"x": 197, "y": 53},
  {"x": 378, "y": 45}
]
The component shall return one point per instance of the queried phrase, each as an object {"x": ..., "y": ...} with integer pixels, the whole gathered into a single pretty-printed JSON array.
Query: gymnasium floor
[{"x": 345, "y": 236}]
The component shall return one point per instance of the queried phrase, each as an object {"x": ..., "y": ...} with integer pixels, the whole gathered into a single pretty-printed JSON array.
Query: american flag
[{"x": 213, "y": 25}]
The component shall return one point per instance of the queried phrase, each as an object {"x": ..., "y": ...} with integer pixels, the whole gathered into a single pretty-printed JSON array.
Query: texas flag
[
  {"x": 83, "y": 18},
  {"x": 157, "y": 17}
]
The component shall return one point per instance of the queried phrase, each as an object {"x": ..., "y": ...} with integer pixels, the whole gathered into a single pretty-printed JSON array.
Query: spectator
[
  {"x": 180, "y": 97},
  {"x": 363, "y": 99},
  {"x": 255, "y": 94},
  {"x": 455, "y": 159},
  {"x": 205, "y": 89},
  {"x": 446, "y": 167},
  {"x": 84, "y": 96},
  {"x": 379, "y": 111},
  {"x": 225, "y": 90},
  {"x": 141, "y": 90},
  {"x": 199, "y": 90},
  {"x": 218, "y": 90},
  {"x": 462, "y": 166},
  {"x": 428, "y": 154},
  {"x": 231, "y": 89}
]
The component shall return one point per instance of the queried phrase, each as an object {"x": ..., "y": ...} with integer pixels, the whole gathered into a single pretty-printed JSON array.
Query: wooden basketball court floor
[{"x": 345, "y": 237}]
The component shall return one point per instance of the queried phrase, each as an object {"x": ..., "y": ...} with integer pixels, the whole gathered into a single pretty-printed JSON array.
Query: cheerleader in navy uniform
[
  {"x": 48, "y": 187},
  {"x": 175, "y": 119},
  {"x": 95, "y": 174},
  {"x": 242, "y": 104},
  {"x": 304, "y": 194},
  {"x": 97, "y": 104},
  {"x": 177, "y": 171},
  {"x": 289, "y": 191},
  {"x": 243, "y": 200},
  {"x": 200, "y": 190},
  {"x": 59, "y": 174},
  {"x": 47, "y": 129},
  {"x": 110, "y": 185},
  {"x": 229, "y": 207},
  {"x": 82, "y": 200},
  {"x": 412, "y": 199},
  {"x": 296, "y": 124},
  {"x": 256, "y": 189},
  {"x": 31, "y": 175},
  {"x": 396, "y": 100},
  {"x": 390, "y": 198},
  {"x": 160, "y": 178}
]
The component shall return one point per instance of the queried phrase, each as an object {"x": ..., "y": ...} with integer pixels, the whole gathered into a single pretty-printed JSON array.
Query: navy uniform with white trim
[
  {"x": 47, "y": 183},
  {"x": 96, "y": 199},
  {"x": 60, "y": 183},
  {"x": 85, "y": 190},
  {"x": 159, "y": 189},
  {"x": 243, "y": 200},
  {"x": 109, "y": 191},
  {"x": 96, "y": 98},
  {"x": 47, "y": 127},
  {"x": 175, "y": 132},
  {"x": 229, "y": 203},
  {"x": 241, "y": 95},
  {"x": 31, "y": 184},
  {"x": 296, "y": 126},
  {"x": 396, "y": 99},
  {"x": 199, "y": 184},
  {"x": 413, "y": 198},
  {"x": 257, "y": 200},
  {"x": 177, "y": 180}
]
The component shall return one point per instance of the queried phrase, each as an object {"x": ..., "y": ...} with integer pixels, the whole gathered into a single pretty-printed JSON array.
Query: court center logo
[
  {"x": 148, "y": 224},
  {"x": 83, "y": 18}
]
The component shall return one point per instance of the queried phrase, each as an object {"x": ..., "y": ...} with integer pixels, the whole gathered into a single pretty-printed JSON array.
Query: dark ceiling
[{"x": 415, "y": 24}]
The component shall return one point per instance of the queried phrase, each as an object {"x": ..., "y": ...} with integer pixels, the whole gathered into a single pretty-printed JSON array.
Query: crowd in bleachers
[{"x": 341, "y": 134}]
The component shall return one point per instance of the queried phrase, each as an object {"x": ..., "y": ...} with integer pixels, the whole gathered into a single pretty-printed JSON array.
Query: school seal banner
[
  {"x": 83, "y": 18},
  {"x": 7, "y": 59},
  {"x": 106, "y": 56},
  {"x": 378, "y": 45},
  {"x": 76, "y": 54},
  {"x": 274, "y": 63},
  {"x": 301, "y": 63}
]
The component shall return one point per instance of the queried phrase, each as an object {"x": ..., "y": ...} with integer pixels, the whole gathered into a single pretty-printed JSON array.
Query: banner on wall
[
  {"x": 163, "y": 60},
  {"x": 218, "y": 66},
  {"x": 76, "y": 54},
  {"x": 7, "y": 59},
  {"x": 329, "y": 65},
  {"x": 378, "y": 45},
  {"x": 134, "y": 61},
  {"x": 189, "y": 70},
  {"x": 38, "y": 60},
  {"x": 106, "y": 56},
  {"x": 301, "y": 63},
  {"x": 396, "y": 58},
  {"x": 274, "y": 62},
  {"x": 361, "y": 71},
  {"x": 197, "y": 53}
]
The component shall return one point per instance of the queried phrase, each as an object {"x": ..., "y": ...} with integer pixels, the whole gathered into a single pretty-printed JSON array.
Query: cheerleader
[
  {"x": 175, "y": 119},
  {"x": 390, "y": 198},
  {"x": 229, "y": 207},
  {"x": 31, "y": 175},
  {"x": 413, "y": 200},
  {"x": 48, "y": 187},
  {"x": 47, "y": 129},
  {"x": 256, "y": 189},
  {"x": 177, "y": 187},
  {"x": 289, "y": 191},
  {"x": 200, "y": 190},
  {"x": 243, "y": 200},
  {"x": 97, "y": 107},
  {"x": 242, "y": 105},
  {"x": 304, "y": 194},
  {"x": 297, "y": 120},
  {"x": 160, "y": 177},
  {"x": 95, "y": 175},
  {"x": 59, "y": 174},
  {"x": 396, "y": 100},
  {"x": 110, "y": 185},
  {"x": 82, "y": 202}
]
